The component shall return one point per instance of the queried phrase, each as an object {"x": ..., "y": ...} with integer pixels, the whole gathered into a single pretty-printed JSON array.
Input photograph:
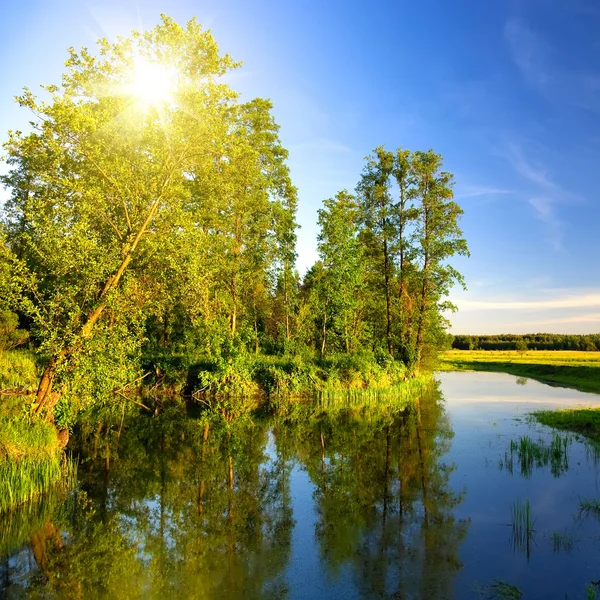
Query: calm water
[{"x": 344, "y": 504}]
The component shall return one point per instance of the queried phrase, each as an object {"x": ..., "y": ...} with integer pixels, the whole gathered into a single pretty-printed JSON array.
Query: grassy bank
[
  {"x": 577, "y": 370},
  {"x": 31, "y": 461},
  {"x": 295, "y": 376},
  {"x": 585, "y": 421}
]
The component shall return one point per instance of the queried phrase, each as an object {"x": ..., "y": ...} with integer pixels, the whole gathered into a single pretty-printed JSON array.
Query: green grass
[
  {"x": 401, "y": 394},
  {"x": 585, "y": 421},
  {"x": 522, "y": 526},
  {"x": 577, "y": 370},
  {"x": 531, "y": 454},
  {"x": 31, "y": 462}
]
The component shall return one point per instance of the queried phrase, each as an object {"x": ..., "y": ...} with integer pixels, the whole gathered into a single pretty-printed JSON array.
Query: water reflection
[
  {"x": 383, "y": 499},
  {"x": 181, "y": 507},
  {"x": 529, "y": 454}
]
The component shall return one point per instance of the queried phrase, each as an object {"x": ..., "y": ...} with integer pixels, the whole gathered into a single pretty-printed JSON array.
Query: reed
[
  {"x": 563, "y": 542},
  {"x": 31, "y": 462},
  {"x": 530, "y": 454},
  {"x": 401, "y": 396},
  {"x": 589, "y": 507},
  {"x": 522, "y": 526}
]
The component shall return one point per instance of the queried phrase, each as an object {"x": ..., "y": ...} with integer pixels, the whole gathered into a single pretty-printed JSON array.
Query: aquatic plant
[
  {"x": 505, "y": 591},
  {"x": 589, "y": 507},
  {"x": 539, "y": 454},
  {"x": 585, "y": 421},
  {"x": 563, "y": 542},
  {"x": 522, "y": 523}
]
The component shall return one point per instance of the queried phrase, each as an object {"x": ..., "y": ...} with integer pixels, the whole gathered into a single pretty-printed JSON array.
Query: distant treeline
[{"x": 528, "y": 341}]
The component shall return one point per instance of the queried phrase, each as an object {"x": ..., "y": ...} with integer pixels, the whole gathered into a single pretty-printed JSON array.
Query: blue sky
[{"x": 507, "y": 91}]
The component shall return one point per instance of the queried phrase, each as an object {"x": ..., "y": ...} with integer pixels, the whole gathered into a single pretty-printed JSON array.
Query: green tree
[
  {"x": 140, "y": 158},
  {"x": 380, "y": 227},
  {"x": 342, "y": 279},
  {"x": 439, "y": 238},
  {"x": 407, "y": 218}
]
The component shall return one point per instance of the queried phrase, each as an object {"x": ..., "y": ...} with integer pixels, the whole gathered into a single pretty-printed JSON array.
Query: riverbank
[
  {"x": 585, "y": 421},
  {"x": 572, "y": 369},
  {"x": 31, "y": 461}
]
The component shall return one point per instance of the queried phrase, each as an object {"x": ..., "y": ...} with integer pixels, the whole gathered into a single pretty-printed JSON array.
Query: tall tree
[
  {"x": 342, "y": 262},
  {"x": 116, "y": 176},
  {"x": 380, "y": 225},
  {"x": 439, "y": 237},
  {"x": 407, "y": 217}
]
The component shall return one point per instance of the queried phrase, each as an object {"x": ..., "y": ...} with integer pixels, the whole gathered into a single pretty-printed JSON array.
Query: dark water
[{"x": 347, "y": 503}]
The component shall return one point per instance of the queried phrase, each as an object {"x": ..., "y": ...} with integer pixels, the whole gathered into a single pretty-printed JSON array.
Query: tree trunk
[
  {"x": 202, "y": 484},
  {"x": 388, "y": 300},
  {"x": 45, "y": 386},
  {"x": 323, "y": 335},
  {"x": 421, "y": 321}
]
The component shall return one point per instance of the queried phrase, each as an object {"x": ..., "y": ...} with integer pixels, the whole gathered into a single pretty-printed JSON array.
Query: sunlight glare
[{"x": 153, "y": 83}]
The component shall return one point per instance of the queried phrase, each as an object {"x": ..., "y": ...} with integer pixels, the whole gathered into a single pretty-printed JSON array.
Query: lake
[{"x": 461, "y": 497}]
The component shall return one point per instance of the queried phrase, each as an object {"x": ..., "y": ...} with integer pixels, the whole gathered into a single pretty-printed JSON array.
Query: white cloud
[
  {"x": 475, "y": 191},
  {"x": 569, "y": 300},
  {"x": 585, "y": 318}
]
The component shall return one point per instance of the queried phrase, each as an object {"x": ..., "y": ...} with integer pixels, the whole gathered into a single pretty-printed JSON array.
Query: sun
[{"x": 152, "y": 83}]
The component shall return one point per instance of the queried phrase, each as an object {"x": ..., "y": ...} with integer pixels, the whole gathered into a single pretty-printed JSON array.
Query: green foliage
[
  {"x": 18, "y": 370},
  {"x": 273, "y": 378},
  {"x": 528, "y": 341},
  {"x": 383, "y": 275},
  {"x": 143, "y": 217},
  {"x": 10, "y": 334},
  {"x": 154, "y": 237}
]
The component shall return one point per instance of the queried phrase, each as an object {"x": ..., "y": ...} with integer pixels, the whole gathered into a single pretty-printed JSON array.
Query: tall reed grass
[
  {"x": 31, "y": 462},
  {"x": 399, "y": 396},
  {"x": 522, "y": 526}
]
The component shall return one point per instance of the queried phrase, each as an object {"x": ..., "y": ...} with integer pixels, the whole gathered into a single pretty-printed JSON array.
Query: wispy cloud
[
  {"x": 585, "y": 318},
  {"x": 475, "y": 191},
  {"x": 546, "y": 194},
  {"x": 540, "y": 65},
  {"x": 588, "y": 300}
]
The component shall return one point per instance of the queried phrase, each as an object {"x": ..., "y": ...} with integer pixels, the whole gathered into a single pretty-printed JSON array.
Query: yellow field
[
  {"x": 579, "y": 370},
  {"x": 537, "y": 357}
]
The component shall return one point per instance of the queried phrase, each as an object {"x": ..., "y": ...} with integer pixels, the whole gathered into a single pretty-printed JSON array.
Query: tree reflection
[
  {"x": 385, "y": 506},
  {"x": 188, "y": 509},
  {"x": 199, "y": 508}
]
